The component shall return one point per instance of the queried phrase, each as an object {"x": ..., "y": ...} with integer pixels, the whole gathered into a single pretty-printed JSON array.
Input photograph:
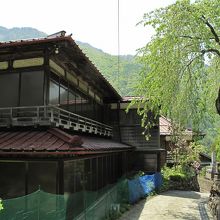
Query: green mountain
[
  {"x": 123, "y": 76},
  {"x": 19, "y": 33}
]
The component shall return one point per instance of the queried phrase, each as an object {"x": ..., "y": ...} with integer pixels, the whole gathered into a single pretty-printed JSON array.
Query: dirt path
[{"x": 171, "y": 205}]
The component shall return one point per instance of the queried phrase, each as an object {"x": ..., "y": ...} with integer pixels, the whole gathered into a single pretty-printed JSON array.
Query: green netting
[
  {"x": 38, "y": 205},
  {"x": 92, "y": 205},
  {"x": 109, "y": 202}
]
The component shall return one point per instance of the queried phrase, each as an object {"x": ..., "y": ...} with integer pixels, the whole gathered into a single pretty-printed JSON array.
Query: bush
[
  {"x": 167, "y": 172},
  {"x": 203, "y": 172},
  {"x": 177, "y": 177},
  {"x": 178, "y": 174},
  {"x": 1, "y": 206}
]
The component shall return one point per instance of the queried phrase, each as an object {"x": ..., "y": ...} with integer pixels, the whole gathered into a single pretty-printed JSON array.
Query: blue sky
[{"x": 91, "y": 21}]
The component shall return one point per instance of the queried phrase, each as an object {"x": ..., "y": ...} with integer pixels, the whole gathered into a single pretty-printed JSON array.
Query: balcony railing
[{"x": 51, "y": 116}]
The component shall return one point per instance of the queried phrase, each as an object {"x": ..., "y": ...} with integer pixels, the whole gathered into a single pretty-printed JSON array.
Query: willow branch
[
  {"x": 195, "y": 38},
  {"x": 211, "y": 50},
  {"x": 216, "y": 38}
]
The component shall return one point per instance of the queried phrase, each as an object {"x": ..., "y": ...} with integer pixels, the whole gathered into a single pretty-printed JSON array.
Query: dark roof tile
[{"x": 54, "y": 140}]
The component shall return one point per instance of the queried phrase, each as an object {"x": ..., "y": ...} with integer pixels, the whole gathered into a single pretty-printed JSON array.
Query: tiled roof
[
  {"x": 31, "y": 41},
  {"x": 165, "y": 126},
  {"x": 54, "y": 140},
  {"x": 93, "y": 143}
]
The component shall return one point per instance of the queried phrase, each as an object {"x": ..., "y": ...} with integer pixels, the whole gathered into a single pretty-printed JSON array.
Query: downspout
[{"x": 46, "y": 77}]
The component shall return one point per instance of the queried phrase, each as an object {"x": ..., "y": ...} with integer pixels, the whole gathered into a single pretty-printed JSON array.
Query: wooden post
[
  {"x": 118, "y": 117},
  {"x": 46, "y": 77},
  {"x": 158, "y": 161},
  {"x": 60, "y": 177},
  {"x": 213, "y": 165},
  {"x": 26, "y": 177}
]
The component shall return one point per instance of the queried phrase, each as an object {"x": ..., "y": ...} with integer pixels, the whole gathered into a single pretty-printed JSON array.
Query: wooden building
[
  {"x": 166, "y": 133},
  {"x": 61, "y": 122},
  {"x": 148, "y": 155}
]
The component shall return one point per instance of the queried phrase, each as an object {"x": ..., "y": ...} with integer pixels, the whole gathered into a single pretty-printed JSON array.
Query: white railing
[{"x": 51, "y": 116}]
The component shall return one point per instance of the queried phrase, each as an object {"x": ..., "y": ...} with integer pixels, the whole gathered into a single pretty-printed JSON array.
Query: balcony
[{"x": 51, "y": 116}]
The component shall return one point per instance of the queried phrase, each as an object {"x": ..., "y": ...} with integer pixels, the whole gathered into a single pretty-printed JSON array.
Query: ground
[{"x": 171, "y": 205}]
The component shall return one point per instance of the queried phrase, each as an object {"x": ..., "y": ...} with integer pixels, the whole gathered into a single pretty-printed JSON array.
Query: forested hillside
[
  {"x": 19, "y": 33},
  {"x": 107, "y": 64},
  {"x": 123, "y": 80}
]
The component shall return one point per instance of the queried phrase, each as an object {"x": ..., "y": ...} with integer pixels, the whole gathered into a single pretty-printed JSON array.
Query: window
[
  {"x": 63, "y": 96},
  {"x": 72, "y": 97},
  {"x": 72, "y": 101},
  {"x": 78, "y": 104},
  {"x": 32, "y": 88},
  {"x": 12, "y": 182},
  {"x": 9, "y": 90},
  {"x": 42, "y": 174},
  {"x": 85, "y": 104},
  {"x": 54, "y": 93}
]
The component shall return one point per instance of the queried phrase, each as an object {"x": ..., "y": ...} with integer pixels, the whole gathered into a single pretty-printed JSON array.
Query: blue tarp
[
  {"x": 142, "y": 186},
  {"x": 158, "y": 180},
  {"x": 135, "y": 190},
  {"x": 147, "y": 183}
]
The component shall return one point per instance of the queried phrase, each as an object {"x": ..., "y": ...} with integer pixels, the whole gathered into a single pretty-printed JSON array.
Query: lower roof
[{"x": 54, "y": 141}]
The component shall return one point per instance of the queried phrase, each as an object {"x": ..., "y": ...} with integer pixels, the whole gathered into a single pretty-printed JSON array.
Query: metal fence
[{"x": 51, "y": 116}]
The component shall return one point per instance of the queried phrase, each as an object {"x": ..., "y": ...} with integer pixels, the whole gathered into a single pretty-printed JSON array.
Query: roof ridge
[{"x": 68, "y": 138}]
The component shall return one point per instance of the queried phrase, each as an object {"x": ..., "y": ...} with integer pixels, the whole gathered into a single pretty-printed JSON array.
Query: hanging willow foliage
[{"x": 181, "y": 73}]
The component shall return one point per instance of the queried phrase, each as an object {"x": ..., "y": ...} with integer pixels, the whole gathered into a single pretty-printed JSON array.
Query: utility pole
[{"x": 213, "y": 164}]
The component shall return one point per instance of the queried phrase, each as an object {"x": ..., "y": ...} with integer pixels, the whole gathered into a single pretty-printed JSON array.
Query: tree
[{"x": 180, "y": 78}]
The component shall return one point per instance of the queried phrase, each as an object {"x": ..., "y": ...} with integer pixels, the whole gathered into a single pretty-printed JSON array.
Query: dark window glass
[
  {"x": 88, "y": 174},
  {"x": 43, "y": 175},
  {"x": 89, "y": 109},
  {"x": 32, "y": 88},
  {"x": 9, "y": 87},
  {"x": 54, "y": 93},
  {"x": 99, "y": 113},
  {"x": 107, "y": 114},
  {"x": 105, "y": 171},
  {"x": 72, "y": 97},
  {"x": 85, "y": 107},
  {"x": 12, "y": 180},
  {"x": 78, "y": 104},
  {"x": 73, "y": 174},
  {"x": 63, "y": 96},
  {"x": 100, "y": 172},
  {"x": 72, "y": 101},
  {"x": 73, "y": 184},
  {"x": 120, "y": 165},
  {"x": 94, "y": 174}
]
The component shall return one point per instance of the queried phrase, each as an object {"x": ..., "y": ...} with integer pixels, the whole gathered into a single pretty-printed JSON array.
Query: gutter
[{"x": 70, "y": 153}]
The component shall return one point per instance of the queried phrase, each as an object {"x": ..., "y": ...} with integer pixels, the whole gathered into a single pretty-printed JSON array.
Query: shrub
[
  {"x": 178, "y": 174},
  {"x": 1, "y": 206}
]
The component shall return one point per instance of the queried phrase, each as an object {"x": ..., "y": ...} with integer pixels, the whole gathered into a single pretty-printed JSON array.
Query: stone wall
[
  {"x": 205, "y": 184},
  {"x": 214, "y": 200},
  {"x": 184, "y": 184}
]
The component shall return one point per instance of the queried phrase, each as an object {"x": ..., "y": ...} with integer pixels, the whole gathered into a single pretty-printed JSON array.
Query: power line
[{"x": 118, "y": 46}]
